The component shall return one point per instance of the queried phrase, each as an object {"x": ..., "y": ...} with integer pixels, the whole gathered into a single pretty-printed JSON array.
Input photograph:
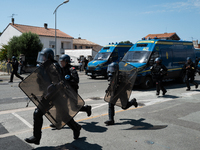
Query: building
[
  {"x": 46, "y": 35},
  {"x": 196, "y": 44},
  {"x": 164, "y": 36},
  {"x": 85, "y": 44},
  {"x": 82, "y": 48}
]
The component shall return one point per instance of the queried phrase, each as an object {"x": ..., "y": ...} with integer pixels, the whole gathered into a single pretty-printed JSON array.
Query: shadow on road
[
  {"x": 90, "y": 127},
  {"x": 169, "y": 96},
  {"x": 93, "y": 127},
  {"x": 79, "y": 144},
  {"x": 140, "y": 125}
]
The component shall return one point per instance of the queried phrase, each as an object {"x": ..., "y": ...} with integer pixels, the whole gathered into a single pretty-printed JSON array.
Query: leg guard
[
  {"x": 75, "y": 127},
  {"x": 111, "y": 113},
  {"x": 37, "y": 123}
]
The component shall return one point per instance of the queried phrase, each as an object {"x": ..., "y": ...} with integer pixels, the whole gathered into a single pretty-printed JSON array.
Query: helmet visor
[{"x": 41, "y": 57}]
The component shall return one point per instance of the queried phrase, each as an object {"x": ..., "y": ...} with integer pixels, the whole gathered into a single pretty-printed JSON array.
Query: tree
[
  {"x": 126, "y": 42},
  {"x": 3, "y": 52},
  {"x": 28, "y": 44}
]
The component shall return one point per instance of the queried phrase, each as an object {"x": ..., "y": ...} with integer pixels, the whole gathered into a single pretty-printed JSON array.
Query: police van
[
  {"x": 173, "y": 54},
  {"x": 108, "y": 54},
  {"x": 197, "y": 60}
]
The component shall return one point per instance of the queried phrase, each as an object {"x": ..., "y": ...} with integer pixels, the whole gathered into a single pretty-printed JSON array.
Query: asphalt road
[{"x": 168, "y": 122}]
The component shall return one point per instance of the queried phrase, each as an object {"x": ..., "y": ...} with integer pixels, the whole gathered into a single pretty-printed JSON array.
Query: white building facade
[{"x": 46, "y": 35}]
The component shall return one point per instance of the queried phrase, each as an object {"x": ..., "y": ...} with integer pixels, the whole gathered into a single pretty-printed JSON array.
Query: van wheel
[
  {"x": 93, "y": 77},
  {"x": 148, "y": 83}
]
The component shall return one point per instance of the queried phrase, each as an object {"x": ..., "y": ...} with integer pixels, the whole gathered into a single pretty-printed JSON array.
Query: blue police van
[
  {"x": 197, "y": 61},
  {"x": 173, "y": 54},
  {"x": 109, "y": 53}
]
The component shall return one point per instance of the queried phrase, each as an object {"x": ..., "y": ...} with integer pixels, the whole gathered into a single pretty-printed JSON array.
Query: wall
[{"x": 8, "y": 34}]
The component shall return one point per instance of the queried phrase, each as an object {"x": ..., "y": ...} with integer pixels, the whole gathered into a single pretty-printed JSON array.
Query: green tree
[
  {"x": 3, "y": 52},
  {"x": 126, "y": 42},
  {"x": 28, "y": 44}
]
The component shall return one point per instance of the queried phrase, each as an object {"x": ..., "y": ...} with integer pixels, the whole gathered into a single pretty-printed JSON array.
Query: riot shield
[
  {"x": 121, "y": 85},
  {"x": 50, "y": 92}
]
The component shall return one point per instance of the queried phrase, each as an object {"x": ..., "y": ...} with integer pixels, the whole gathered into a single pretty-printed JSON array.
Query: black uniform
[
  {"x": 38, "y": 121},
  {"x": 189, "y": 68},
  {"x": 111, "y": 107},
  {"x": 73, "y": 81},
  {"x": 158, "y": 71},
  {"x": 15, "y": 69}
]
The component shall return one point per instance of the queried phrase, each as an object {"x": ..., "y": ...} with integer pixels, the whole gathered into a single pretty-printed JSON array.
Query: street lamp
[{"x": 55, "y": 23}]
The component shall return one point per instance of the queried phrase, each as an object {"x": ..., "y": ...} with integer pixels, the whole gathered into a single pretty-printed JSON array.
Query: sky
[{"x": 107, "y": 21}]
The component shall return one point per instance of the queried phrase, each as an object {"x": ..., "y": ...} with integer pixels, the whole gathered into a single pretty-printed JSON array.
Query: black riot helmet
[
  {"x": 158, "y": 60},
  {"x": 65, "y": 58},
  {"x": 113, "y": 67},
  {"x": 45, "y": 54},
  {"x": 14, "y": 58},
  {"x": 189, "y": 59}
]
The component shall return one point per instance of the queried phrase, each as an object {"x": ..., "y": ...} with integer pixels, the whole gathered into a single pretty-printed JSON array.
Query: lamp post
[{"x": 66, "y": 1}]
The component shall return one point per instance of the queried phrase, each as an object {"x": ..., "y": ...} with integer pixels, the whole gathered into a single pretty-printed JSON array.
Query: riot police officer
[
  {"x": 72, "y": 77},
  {"x": 158, "y": 71},
  {"x": 15, "y": 68},
  {"x": 113, "y": 70},
  {"x": 48, "y": 54},
  {"x": 189, "y": 68}
]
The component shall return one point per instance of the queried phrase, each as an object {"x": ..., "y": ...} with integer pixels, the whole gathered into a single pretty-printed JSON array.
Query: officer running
[
  {"x": 48, "y": 54},
  {"x": 158, "y": 71},
  {"x": 112, "y": 70},
  {"x": 189, "y": 68},
  {"x": 15, "y": 69},
  {"x": 72, "y": 77}
]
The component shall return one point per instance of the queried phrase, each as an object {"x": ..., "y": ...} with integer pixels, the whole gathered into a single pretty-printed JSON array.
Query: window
[
  {"x": 51, "y": 44},
  {"x": 142, "y": 45},
  {"x": 62, "y": 45}
]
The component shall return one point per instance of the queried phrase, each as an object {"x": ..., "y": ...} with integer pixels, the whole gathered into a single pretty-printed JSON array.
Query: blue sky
[{"x": 105, "y": 21}]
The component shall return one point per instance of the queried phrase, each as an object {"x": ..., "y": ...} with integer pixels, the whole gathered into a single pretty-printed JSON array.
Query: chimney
[
  {"x": 45, "y": 25},
  {"x": 13, "y": 21}
]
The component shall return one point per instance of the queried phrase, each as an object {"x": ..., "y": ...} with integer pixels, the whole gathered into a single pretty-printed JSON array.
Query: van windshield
[
  {"x": 102, "y": 56},
  {"x": 137, "y": 56}
]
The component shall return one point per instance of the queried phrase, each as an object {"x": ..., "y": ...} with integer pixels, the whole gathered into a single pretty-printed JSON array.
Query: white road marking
[
  {"x": 16, "y": 110},
  {"x": 23, "y": 120}
]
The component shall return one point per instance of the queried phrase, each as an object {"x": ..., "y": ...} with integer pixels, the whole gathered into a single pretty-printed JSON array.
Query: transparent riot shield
[
  {"x": 121, "y": 85},
  {"x": 50, "y": 92}
]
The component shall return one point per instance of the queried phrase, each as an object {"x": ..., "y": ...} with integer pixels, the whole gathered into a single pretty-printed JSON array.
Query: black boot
[
  {"x": 134, "y": 102},
  {"x": 52, "y": 125},
  {"x": 164, "y": 92},
  {"x": 33, "y": 140},
  {"x": 75, "y": 127},
  {"x": 111, "y": 113},
  {"x": 37, "y": 127},
  {"x": 87, "y": 109}
]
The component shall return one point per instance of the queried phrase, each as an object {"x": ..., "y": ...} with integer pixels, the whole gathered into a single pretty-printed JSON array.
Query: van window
[
  {"x": 106, "y": 48},
  {"x": 137, "y": 56},
  {"x": 142, "y": 45},
  {"x": 154, "y": 55},
  {"x": 102, "y": 56},
  {"x": 114, "y": 56}
]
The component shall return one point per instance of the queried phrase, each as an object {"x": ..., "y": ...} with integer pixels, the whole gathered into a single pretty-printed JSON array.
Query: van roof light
[{"x": 143, "y": 38}]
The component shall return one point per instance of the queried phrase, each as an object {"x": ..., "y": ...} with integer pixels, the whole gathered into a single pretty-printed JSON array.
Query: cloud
[{"x": 175, "y": 7}]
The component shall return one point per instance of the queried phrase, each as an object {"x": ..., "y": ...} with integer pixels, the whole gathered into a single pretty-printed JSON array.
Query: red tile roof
[
  {"x": 83, "y": 42},
  {"x": 41, "y": 31},
  {"x": 165, "y": 35}
]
